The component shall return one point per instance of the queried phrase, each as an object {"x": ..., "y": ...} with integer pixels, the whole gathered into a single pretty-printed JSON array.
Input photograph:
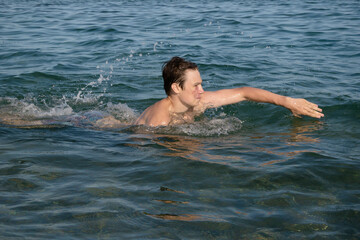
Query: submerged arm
[{"x": 229, "y": 96}]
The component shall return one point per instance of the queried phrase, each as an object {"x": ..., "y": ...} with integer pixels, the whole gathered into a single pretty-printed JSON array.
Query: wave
[
  {"x": 86, "y": 110},
  {"x": 350, "y": 109},
  {"x": 28, "y": 108},
  {"x": 29, "y": 113}
]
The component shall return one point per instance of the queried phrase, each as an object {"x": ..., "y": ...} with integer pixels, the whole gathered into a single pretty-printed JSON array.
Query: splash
[
  {"x": 91, "y": 96},
  {"x": 90, "y": 104},
  {"x": 94, "y": 90},
  {"x": 212, "y": 127},
  {"x": 122, "y": 112},
  {"x": 29, "y": 107},
  {"x": 205, "y": 128}
]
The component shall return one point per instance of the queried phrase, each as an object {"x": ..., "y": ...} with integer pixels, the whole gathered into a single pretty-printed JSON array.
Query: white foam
[
  {"x": 81, "y": 98},
  {"x": 30, "y": 108},
  {"x": 122, "y": 112},
  {"x": 205, "y": 128}
]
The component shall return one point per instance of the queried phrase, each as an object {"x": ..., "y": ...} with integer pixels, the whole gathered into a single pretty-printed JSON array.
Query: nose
[{"x": 201, "y": 90}]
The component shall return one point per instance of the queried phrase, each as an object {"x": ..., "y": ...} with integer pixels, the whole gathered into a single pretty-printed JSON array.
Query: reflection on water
[
  {"x": 299, "y": 131},
  {"x": 170, "y": 190},
  {"x": 297, "y": 138},
  {"x": 171, "y": 202},
  {"x": 193, "y": 149},
  {"x": 184, "y": 217}
]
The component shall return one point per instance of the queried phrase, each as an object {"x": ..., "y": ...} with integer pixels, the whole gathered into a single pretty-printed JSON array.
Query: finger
[
  {"x": 321, "y": 115},
  {"x": 312, "y": 105},
  {"x": 313, "y": 113},
  {"x": 318, "y": 111}
]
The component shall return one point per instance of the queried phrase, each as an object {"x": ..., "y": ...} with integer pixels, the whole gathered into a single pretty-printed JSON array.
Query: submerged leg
[
  {"x": 109, "y": 122},
  {"x": 87, "y": 120},
  {"x": 18, "y": 122}
]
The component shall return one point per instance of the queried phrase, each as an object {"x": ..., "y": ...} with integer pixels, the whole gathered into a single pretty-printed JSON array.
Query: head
[{"x": 174, "y": 71}]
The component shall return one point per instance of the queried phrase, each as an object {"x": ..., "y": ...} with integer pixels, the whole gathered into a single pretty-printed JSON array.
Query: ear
[{"x": 175, "y": 87}]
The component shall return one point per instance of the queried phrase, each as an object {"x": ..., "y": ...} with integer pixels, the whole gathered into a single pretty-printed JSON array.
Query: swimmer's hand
[{"x": 299, "y": 106}]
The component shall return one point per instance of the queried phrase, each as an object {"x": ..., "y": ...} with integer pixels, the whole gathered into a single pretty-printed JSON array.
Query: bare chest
[{"x": 183, "y": 118}]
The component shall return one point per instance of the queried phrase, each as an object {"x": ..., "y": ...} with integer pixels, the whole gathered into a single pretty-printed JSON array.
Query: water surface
[{"x": 244, "y": 171}]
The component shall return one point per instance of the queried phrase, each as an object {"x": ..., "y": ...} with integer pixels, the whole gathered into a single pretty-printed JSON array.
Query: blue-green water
[{"x": 245, "y": 171}]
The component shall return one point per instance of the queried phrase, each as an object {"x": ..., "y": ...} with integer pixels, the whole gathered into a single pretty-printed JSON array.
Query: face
[{"x": 192, "y": 90}]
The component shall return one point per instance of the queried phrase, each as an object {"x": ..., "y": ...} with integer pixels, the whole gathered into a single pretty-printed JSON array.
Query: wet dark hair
[{"x": 173, "y": 71}]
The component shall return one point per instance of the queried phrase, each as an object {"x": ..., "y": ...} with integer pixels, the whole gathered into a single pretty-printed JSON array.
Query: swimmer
[{"x": 186, "y": 98}]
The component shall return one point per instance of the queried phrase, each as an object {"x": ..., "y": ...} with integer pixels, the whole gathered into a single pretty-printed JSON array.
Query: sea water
[{"x": 243, "y": 171}]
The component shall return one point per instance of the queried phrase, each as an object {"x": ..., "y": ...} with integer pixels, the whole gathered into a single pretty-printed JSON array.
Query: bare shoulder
[{"x": 155, "y": 115}]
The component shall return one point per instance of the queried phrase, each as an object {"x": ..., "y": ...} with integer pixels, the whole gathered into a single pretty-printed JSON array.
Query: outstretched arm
[{"x": 229, "y": 96}]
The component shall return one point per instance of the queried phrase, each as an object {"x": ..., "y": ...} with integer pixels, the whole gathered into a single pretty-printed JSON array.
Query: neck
[{"x": 176, "y": 105}]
